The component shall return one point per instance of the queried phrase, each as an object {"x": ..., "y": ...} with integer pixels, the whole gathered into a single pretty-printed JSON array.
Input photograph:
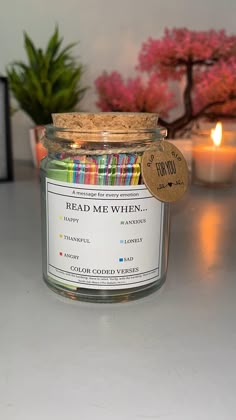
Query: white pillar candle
[{"x": 213, "y": 163}]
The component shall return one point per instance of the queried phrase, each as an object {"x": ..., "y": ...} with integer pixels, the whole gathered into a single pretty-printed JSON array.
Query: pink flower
[{"x": 133, "y": 95}]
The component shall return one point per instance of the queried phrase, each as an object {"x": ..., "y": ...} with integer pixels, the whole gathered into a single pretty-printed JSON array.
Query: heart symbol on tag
[{"x": 170, "y": 184}]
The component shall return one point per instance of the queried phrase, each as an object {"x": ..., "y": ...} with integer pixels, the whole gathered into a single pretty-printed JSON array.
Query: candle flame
[{"x": 216, "y": 134}]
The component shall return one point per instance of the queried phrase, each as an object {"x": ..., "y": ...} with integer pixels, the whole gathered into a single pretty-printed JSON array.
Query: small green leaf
[{"x": 30, "y": 50}]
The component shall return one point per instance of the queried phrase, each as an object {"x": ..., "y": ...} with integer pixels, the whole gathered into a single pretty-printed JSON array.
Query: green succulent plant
[{"x": 50, "y": 81}]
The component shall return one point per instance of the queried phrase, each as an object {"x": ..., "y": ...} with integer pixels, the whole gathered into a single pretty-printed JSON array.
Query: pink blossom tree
[{"x": 205, "y": 61}]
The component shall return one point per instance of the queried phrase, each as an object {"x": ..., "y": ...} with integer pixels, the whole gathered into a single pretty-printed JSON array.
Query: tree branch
[
  {"x": 202, "y": 112},
  {"x": 164, "y": 123},
  {"x": 182, "y": 62},
  {"x": 217, "y": 116},
  {"x": 187, "y": 117},
  {"x": 175, "y": 126},
  {"x": 187, "y": 92}
]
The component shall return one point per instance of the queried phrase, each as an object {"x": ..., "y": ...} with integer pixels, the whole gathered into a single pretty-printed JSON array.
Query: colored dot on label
[
  {"x": 121, "y": 259},
  {"x": 60, "y": 217},
  {"x": 61, "y": 236},
  {"x": 61, "y": 253},
  {"x": 121, "y": 241},
  {"x": 122, "y": 223}
]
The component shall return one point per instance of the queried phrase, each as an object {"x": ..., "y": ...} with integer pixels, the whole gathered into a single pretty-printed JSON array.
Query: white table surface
[{"x": 171, "y": 355}]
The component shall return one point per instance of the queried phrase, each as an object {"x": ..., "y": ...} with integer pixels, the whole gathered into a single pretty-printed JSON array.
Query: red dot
[{"x": 61, "y": 253}]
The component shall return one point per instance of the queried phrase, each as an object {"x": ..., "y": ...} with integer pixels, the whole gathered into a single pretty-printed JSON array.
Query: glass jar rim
[
  {"x": 70, "y": 140},
  {"x": 158, "y": 131}
]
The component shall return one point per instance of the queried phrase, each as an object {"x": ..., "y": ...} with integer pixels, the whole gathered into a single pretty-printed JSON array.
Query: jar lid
[
  {"x": 101, "y": 121},
  {"x": 102, "y": 132}
]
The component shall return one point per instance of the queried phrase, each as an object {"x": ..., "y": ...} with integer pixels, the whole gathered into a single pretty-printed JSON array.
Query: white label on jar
[{"x": 103, "y": 237}]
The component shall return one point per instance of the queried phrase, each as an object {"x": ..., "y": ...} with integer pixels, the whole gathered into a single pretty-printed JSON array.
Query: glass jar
[{"x": 105, "y": 237}]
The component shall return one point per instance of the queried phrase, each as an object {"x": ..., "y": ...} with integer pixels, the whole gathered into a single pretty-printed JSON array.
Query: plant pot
[{"x": 37, "y": 149}]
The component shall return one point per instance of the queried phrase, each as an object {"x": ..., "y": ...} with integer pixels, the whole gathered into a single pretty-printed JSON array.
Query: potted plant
[{"x": 49, "y": 82}]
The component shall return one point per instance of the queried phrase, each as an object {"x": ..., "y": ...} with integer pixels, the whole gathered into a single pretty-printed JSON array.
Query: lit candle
[{"x": 213, "y": 163}]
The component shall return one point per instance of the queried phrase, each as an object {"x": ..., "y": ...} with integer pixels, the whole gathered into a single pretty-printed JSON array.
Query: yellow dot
[
  {"x": 61, "y": 236},
  {"x": 60, "y": 217}
]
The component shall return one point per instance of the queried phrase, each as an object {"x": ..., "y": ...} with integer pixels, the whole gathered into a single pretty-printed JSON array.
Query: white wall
[{"x": 110, "y": 34}]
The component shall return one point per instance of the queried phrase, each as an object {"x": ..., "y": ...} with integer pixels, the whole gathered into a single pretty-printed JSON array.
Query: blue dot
[
  {"x": 121, "y": 259},
  {"x": 121, "y": 241}
]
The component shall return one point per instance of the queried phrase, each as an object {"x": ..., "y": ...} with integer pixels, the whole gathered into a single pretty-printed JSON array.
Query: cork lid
[
  {"x": 120, "y": 121},
  {"x": 74, "y": 130}
]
